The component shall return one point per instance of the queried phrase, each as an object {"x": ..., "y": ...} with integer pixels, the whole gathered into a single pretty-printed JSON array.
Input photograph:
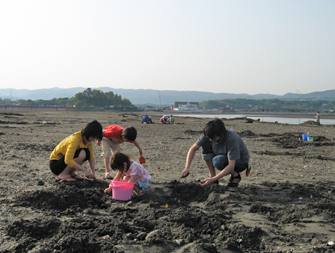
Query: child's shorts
[
  {"x": 144, "y": 184},
  {"x": 108, "y": 147}
]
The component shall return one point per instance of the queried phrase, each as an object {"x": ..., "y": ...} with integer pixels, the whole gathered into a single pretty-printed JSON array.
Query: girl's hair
[
  {"x": 92, "y": 129},
  {"x": 214, "y": 127},
  {"x": 117, "y": 161}
]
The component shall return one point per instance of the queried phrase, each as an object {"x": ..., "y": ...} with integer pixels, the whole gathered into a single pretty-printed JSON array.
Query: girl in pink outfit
[{"x": 130, "y": 171}]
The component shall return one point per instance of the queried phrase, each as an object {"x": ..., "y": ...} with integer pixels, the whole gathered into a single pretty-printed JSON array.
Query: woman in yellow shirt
[{"x": 72, "y": 152}]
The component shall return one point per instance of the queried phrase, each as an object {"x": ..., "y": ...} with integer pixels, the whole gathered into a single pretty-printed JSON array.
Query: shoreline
[
  {"x": 155, "y": 113},
  {"x": 251, "y": 114}
]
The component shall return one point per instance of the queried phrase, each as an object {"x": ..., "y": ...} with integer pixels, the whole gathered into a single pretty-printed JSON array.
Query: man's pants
[{"x": 221, "y": 161}]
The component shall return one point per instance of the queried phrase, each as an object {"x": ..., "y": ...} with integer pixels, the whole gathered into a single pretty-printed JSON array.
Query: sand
[{"x": 285, "y": 205}]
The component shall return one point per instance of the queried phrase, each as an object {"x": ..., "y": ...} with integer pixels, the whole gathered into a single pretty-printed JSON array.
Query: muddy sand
[{"x": 285, "y": 205}]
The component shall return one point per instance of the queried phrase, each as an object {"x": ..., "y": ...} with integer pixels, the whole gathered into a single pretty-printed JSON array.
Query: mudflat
[{"x": 286, "y": 204}]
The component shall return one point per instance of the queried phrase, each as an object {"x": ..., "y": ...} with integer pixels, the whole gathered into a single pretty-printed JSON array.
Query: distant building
[
  {"x": 186, "y": 106},
  {"x": 177, "y": 104},
  {"x": 149, "y": 108}
]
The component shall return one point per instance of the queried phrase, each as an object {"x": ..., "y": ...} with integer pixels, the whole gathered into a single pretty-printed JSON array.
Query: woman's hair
[
  {"x": 117, "y": 161},
  {"x": 214, "y": 127},
  {"x": 92, "y": 129}
]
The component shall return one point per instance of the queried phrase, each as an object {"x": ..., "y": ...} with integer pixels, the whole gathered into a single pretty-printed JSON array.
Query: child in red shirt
[{"x": 113, "y": 136}]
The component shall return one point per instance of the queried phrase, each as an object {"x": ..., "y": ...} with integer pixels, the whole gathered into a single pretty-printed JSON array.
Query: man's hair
[
  {"x": 117, "y": 161},
  {"x": 92, "y": 129},
  {"x": 214, "y": 127},
  {"x": 130, "y": 133}
]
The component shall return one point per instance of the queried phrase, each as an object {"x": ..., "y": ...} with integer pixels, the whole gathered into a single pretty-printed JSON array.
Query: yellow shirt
[{"x": 68, "y": 147}]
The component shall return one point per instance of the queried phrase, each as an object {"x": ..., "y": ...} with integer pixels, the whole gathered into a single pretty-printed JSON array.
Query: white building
[{"x": 187, "y": 107}]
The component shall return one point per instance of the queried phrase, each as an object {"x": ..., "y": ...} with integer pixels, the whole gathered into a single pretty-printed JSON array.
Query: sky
[{"x": 220, "y": 46}]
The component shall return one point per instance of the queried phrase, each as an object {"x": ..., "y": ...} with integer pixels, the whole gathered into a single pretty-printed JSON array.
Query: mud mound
[
  {"x": 79, "y": 217},
  {"x": 288, "y": 140},
  {"x": 93, "y": 226},
  {"x": 246, "y": 133},
  {"x": 191, "y": 132},
  {"x": 68, "y": 197}
]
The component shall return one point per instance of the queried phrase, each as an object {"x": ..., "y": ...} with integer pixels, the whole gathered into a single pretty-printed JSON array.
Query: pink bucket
[{"x": 122, "y": 190}]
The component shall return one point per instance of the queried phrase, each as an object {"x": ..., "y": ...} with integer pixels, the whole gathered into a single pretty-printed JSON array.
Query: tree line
[
  {"x": 97, "y": 100},
  {"x": 87, "y": 100}
]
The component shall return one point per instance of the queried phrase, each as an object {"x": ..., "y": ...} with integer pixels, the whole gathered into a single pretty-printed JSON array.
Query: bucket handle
[{"x": 119, "y": 186}]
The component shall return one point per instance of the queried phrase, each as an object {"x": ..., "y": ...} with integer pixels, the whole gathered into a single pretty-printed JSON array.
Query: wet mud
[{"x": 287, "y": 204}]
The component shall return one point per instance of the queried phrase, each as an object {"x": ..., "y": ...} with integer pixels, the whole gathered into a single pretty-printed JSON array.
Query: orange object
[
  {"x": 142, "y": 160},
  {"x": 247, "y": 172}
]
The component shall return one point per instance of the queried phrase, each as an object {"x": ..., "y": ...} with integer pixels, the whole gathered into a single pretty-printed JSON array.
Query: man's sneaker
[{"x": 234, "y": 181}]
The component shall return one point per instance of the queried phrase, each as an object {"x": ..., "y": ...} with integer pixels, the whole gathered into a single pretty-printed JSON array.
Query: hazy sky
[{"x": 232, "y": 46}]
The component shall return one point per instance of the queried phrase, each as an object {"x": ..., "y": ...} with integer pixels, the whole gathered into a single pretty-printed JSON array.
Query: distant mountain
[{"x": 157, "y": 97}]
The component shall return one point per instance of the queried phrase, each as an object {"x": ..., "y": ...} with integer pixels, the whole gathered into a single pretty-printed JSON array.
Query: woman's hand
[{"x": 88, "y": 174}]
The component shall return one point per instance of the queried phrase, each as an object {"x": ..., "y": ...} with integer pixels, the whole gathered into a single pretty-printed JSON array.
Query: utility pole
[
  {"x": 160, "y": 103},
  {"x": 300, "y": 97}
]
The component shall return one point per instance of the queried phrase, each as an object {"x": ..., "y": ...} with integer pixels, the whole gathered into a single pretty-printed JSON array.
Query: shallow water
[{"x": 263, "y": 118}]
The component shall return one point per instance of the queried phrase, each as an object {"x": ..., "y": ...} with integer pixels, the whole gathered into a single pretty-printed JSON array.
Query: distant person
[
  {"x": 318, "y": 118},
  {"x": 113, "y": 136},
  {"x": 171, "y": 119},
  {"x": 146, "y": 119},
  {"x": 72, "y": 152},
  {"x": 164, "y": 119},
  {"x": 222, "y": 149},
  {"x": 130, "y": 171}
]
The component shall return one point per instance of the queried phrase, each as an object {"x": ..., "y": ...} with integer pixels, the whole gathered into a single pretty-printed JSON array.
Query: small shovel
[
  {"x": 183, "y": 176},
  {"x": 142, "y": 160}
]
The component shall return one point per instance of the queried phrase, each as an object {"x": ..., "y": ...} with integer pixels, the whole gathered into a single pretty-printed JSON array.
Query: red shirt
[{"x": 113, "y": 132}]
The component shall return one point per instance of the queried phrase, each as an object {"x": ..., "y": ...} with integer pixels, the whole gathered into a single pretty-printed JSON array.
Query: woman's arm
[{"x": 92, "y": 166}]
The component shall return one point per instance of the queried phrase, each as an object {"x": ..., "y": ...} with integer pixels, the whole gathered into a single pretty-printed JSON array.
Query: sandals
[
  {"x": 234, "y": 181},
  {"x": 108, "y": 176},
  {"x": 68, "y": 179}
]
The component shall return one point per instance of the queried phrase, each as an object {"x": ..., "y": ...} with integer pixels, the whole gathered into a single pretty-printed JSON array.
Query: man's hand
[
  {"x": 208, "y": 181},
  {"x": 185, "y": 172}
]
